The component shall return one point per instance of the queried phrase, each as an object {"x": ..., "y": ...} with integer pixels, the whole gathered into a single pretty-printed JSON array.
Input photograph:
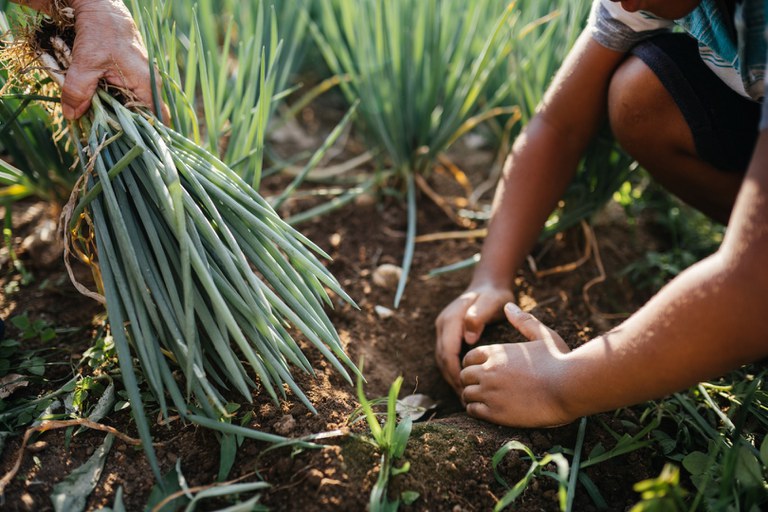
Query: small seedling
[
  {"x": 662, "y": 493},
  {"x": 391, "y": 439},
  {"x": 537, "y": 467},
  {"x": 37, "y": 329}
]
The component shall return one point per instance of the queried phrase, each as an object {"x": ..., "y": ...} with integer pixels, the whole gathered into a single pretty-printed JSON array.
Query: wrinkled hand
[
  {"x": 107, "y": 45},
  {"x": 515, "y": 384},
  {"x": 465, "y": 319}
]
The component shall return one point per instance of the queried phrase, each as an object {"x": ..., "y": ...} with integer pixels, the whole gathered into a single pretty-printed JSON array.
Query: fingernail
[{"x": 512, "y": 308}]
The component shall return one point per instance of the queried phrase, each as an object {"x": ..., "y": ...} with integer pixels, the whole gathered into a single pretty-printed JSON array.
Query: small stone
[
  {"x": 285, "y": 425},
  {"x": 335, "y": 240},
  {"x": 37, "y": 446},
  {"x": 365, "y": 200},
  {"x": 315, "y": 477},
  {"x": 383, "y": 312},
  {"x": 387, "y": 275}
]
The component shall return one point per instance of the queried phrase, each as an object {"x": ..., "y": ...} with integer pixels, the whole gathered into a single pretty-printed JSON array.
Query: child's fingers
[
  {"x": 449, "y": 334},
  {"x": 528, "y": 325},
  {"x": 480, "y": 411},
  {"x": 483, "y": 310},
  {"x": 478, "y": 314},
  {"x": 472, "y": 371},
  {"x": 476, "y": 356}
]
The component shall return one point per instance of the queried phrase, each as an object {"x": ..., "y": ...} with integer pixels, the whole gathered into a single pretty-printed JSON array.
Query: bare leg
[{"x": 650, "y": 127}]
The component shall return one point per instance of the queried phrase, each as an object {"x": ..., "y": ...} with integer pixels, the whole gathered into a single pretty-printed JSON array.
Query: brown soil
[{"x": 450, "y": 453}]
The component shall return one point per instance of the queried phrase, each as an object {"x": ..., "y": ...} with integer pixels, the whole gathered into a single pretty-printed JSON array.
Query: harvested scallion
[{"x": 205, "y": 286}]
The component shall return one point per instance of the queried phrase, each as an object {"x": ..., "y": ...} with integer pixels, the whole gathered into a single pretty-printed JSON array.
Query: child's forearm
[
  {"x": 544, "y": 158},
  {"x": 705, "y": 323},
  {"x": 535, "y": 176},
  {"x": 709, "y": 320}
]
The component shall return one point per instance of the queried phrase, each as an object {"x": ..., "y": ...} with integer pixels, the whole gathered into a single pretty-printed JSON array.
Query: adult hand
[
  {"x": 107, "y": 46},
  {"x": 516, "y": 384},
  {"x": 464, "y": 319}
]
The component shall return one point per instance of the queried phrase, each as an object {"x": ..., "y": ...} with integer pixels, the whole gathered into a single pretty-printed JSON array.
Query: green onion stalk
[{"x": 203, "y": 283}]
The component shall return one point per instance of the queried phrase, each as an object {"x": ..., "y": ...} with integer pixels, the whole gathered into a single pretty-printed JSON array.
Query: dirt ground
[{"x": 449, "y": 453}]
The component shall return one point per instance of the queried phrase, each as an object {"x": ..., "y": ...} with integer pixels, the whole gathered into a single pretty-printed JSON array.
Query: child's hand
[
  {"x": 516, "y": 384},
  {"x": 464, "y": 319}
]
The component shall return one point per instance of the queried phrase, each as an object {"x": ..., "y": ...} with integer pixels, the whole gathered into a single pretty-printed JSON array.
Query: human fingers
[
  {"x": 475, "y": 319},
  {"x": 486, "y": 308},
  {"x": 78, "y": 89},
  {"x": 470, "y": 375},
  {"x": 472, "y": 393},
  {"x": 476, "y": 356},
  {"x": 134, "y": 76},
  {"x": 166, "y": 119},
  {"x": 533, "y": 329},
  {"x": 528, "y": 325},
  {"x": 448, "y": 347},
  {"x": 479, "y": 410}
]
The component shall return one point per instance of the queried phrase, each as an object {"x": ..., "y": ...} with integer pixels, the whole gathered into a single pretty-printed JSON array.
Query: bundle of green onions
[{"x": 197, "y": 271}]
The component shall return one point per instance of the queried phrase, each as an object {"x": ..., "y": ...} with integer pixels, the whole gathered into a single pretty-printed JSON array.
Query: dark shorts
[{"x": 724, "y": 123}]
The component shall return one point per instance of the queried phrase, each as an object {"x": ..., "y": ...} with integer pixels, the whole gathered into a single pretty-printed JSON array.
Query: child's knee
[{"x": 635, "y": 102}]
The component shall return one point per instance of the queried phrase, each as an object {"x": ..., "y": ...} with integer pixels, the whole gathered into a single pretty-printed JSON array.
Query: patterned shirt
[{"x": 733, "y": 45}]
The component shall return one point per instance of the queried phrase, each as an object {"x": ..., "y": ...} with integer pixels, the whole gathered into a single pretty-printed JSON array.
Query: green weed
[
  {"x": 33, "y": 329},
  {"x": 715, "y": 435},
  {"x": 539, "y": 466},
  {"x": 686, "y": 234},
  {"x": 661, "y": 494},
  {"x": 391, "y": 439}
]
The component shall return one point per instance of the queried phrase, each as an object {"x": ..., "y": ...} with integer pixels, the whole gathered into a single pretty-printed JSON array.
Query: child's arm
[
  {"x": 710, "y": 319},
  {"x": 537, "y": 172}
]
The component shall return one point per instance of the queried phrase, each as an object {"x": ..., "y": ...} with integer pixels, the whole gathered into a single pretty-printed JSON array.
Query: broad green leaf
[
  {"x": 104, "y": 405},
  {"x": 764, "y": 451},
  {"x": 71, "y": 494},
  {"x": 409, "y": 497},
  {"x": 169, "y": 485},
  {"x": 748, "y": 471},
  {"x": 227, "y": 454}
]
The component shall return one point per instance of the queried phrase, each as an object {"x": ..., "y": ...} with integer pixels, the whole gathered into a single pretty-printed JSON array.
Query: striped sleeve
[
  {"x": 619, "y": 30},
  {"x": 764, "y": 116}
]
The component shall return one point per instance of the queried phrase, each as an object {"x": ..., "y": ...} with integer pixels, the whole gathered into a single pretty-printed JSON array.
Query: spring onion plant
[
  {"x": 216, "y": 18},
  {"x": 204, "y": 285},
  {"x": 223, "y": 63},
  {"x": 420, "y": 69},
  {"x": 35, "y": 162}
]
